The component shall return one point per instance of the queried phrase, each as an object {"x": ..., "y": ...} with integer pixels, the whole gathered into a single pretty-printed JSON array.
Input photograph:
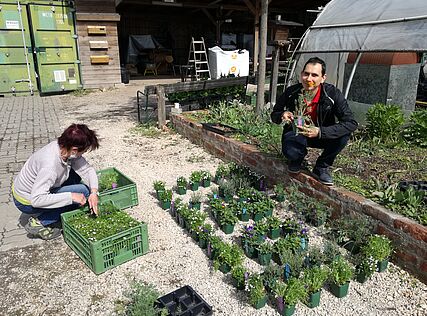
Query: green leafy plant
[
  {"x": 331, "y": 251},
  {"x": 365, "y": 265},
  {"x": 108, "y": 180},
  {"x": 295, "y": 261},
  {"x": 196, "y": 177},
  {"x": 226, "y": 216},
  {"x": 221, "y": 171},
  {"x": 316, "y": 256},
  {"x": 273, "y": 222},
  {"x": 272, "y": 273},
  {"x": 226, "y": 188},
  {"x": 206, "y": 175},
  {"x": 240, "y": 274},
  {"x": 265, "y": 247},
  {"x": 341, "y": 271},
  {"x": 159, "y": 185},
  {"x": 384, "y": 122},
  {"x": 196, "y": 197},
  {"x": 205, "y": 231},
  {"x": 314, "y": 278},
  {"x": 142, "y": 298},
  {"x": 229, "y": 254},
  {"x": 255, "y": 288},
  {"x": 181, "y": 182},
  {"x": 378, "y": 247},
  {"x": 416, "y": 131},
  {"x": 165, "y": 196},
  {"x": 292, "y": 291}
]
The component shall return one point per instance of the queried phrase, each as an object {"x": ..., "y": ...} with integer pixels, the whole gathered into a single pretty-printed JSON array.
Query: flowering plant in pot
[
  {"x": 265, "y": 250},
  {"x": 159, "y": 186},
  {"x": 222, "y": 172},
  {"x": 256, "y": 291},
  {"x": 165, "y": 198},
  {"x": 227, "y": 256},
  {"x": 314, "y": 279},
  {"x": 274, "y": 227},
  {"x": 239, "y": 274},
  {"x": 279, "y": 192},
  {"x": 206, "y": 178},
  {"x": 341, "y": 274},
  {"x": 366, "y": 265},
  {"x": 293, "y": 263},
  {"x": 249, "y": 241},
  {"x": 195, "y": 220},
  {"x": 316, "y": 257},
  {"x": 227, "y": 219},
  {"x": 289, "y": 294},
  {"x": 380, "y": 248},
  {"x": 272, "y": 273},
  {"x": 205, "y": 231},
  {"x": 195, "y": 179},
  {"x": 181, "y": 184},
  {"x": 245, "y": 193},
  {"x": 108, "y": 180},
  {"x": 226, "y": 190},
  {"x": 196, "y": 200}
]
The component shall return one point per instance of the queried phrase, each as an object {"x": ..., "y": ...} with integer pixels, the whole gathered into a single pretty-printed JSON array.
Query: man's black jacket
[{"x": 332, "y": 106}]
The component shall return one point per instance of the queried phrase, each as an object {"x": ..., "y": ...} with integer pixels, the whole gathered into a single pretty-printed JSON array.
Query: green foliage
[
  {"x": 159, "y": 185},
  {"x": 165, "y": 196},
  {"x": 341, "y": 271},
  {"x": 148, "y": 129},
  {"x": 142, "y": 297},
  {"x": 239, "y": 273},
  {"x": 108, "y": 180},
  {"x": 384, "y": 122},
  {"x": 378, "y": 247},
  {"x": 314, "y": 278},
  {"x": 206, "y": 175},
  {"x": 230, "y": 254},
  {"x": 331, "y": 251},
  {"x": 196, "y": 177},
  {"x": 255, "y": 288},
  {"x": 347, "y": 229},
  {"x": 365, "y": 264},
  {"x": 109, "y": 222},
  {"x": 196, "y": 197},
  {"x": 291, "y": 291},
  {"x": 416, "y": 131},
  {"x": 207, "y": 96},
  {"x": 265, "y": 247},
  {"x": 181, "y": 182}
]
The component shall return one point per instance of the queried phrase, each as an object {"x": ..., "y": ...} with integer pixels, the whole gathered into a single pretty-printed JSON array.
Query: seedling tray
[
  {"x": 109, "y": 252},
  {"x": 219, "y": 128},
  {"x": 124, "y": 196},
  {"x": 184, "y": 302}
]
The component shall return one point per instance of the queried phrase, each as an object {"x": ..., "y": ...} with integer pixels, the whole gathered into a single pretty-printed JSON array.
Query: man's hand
[
  {"x": 78, "y": 198},
  {"x": 287, "y": 117},
  {"x": 93, "y": 202},
  {"x": 309, "y": 131}
]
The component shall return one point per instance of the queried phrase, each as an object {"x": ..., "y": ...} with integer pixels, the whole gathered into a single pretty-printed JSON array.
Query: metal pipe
[
  {"x": 413, "y": 18},
  {"x": 30, "y": 84},
  {"x": 353, "y": 70}
]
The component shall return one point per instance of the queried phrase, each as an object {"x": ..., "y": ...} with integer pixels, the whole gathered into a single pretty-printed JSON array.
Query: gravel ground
[{"x": 50, "y": 279}]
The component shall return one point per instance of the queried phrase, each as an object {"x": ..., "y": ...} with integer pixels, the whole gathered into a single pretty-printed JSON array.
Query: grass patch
[{"x": 148, "y": 129}]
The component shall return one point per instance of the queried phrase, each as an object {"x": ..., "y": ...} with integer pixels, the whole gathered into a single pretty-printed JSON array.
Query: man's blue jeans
[
  {"x": 52, "y": 215},
  {"x": 294, "y": 148}
]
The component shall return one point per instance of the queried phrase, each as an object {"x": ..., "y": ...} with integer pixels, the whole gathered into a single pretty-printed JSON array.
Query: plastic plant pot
[
  {"x": 274, "y": 233},
  {"x": 382, "y": 265},
  {"x": 182, "y": 190},
  {"x": 206, "y": 183},
  {"x": 313, "y": 299},
  {"x": 227, "y": 228},
  {"x": 339, "y": 290}
]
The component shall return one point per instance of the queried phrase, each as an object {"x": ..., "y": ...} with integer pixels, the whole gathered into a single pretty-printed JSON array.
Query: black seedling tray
[
  {"x": 184, "y": 302},
  {"x": 219, "y": 128}
]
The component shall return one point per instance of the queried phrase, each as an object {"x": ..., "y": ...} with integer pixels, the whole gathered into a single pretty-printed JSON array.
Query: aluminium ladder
[{"x": 198, "y": 58}]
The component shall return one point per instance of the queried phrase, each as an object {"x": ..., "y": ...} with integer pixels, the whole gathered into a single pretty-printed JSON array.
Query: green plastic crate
[
  {"x": 124, "y": 196},
  {"x": 109, "y": 252}
]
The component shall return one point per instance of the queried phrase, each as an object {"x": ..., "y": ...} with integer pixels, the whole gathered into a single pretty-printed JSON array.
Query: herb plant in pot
[
  {"x": 165, "y": 198},
  {"x": 226, "y": 190},
  {"x": 314, "y": 278},
  {"x": 272, "y": 273},
  {"x": 205, "y": 231},
  {"x": 206, "y": 178},
  {"x": 239, "y": 275},
  {"x": 274, "y": 227},
  {"x": 380, "y": 248},
  {"x": 195, "y": 200},
  {"x": 195, "y": 179},
  {"x": 158, "y": 187},
  {"x": 279, "y": 192},
  {"x": 227, "y": 219},
  {"x": 265, "y": 250},
  {"x": 288, "y": 294},
  {"x": 181, "y": 184},
  {"x": 222, "y": 171},
  {"x": 365, "y": 267},
  {"x": 256, "y": 291},
  {"x": 341, "y": 274},
  {"x": 227, "y": 256}
]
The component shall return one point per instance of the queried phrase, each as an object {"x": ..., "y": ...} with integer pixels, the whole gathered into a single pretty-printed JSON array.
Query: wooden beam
[
  {"x": 210, "y": 17},
  {"x": 161, "y": 106},
  {"x": 250, "y": 6},
  {"x": 256, "y": 36},
  {"x": 260, "y": 103}
]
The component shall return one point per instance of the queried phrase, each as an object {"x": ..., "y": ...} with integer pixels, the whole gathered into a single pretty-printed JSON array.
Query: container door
[
  {"x": 55, "y": 42},
  {"x": 17, "y": 74}
]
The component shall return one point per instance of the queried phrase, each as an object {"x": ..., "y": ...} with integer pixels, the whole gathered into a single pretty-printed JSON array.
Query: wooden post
[
  {"x": 256, "y": 36},
  {"x": 262, "y": 63},
  {"x": 161, "y": 106},
  {"x": 274, "y": 75}
]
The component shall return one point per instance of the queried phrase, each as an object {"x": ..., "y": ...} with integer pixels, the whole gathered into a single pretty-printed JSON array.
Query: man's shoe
[
  {"x": 35, "y": 228},
  {"x": 294, "y": 166},
  {"x": 323, "y": 175}
]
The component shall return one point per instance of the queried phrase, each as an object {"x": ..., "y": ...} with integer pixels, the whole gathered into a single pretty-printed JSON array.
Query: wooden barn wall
[
  {"x": 173, "y": 28},
  {"x": 99, "y": 75},
  {"x": 95, "y": 6}
]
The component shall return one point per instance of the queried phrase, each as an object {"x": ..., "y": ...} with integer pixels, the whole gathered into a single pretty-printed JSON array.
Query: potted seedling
[
  {"x": 158, "y": 187},
  {"x": 213, "y": 244},
  {"x": 195, "y": 200},
  {"x": 292, "y": 263},
  {"x": 239, "y": 275},
  {"x": 317, "y": 213},
  {"x": 205, "y": 231},
  {"x": 249, "y": 241},
  {"x": 221, "y": 173},
  {"x": 206, "y": 179},
  {"x": 227, "y": 219},
  {"x": 195, "y": 179},
  {"x": 265, "y": 250},
  {"x": 272, "y": 273},
  {"x": 256, "y": 291},
  {"x": 365, "y": 267},
  {"x": 340, "y": 276},
  {"x": 274, "y": 227},
  {"x": 165, "y": 198},
  {"x": 314, "y": 279},
  {"x": 227, "y": 256},
  {"x": 279, "y": 192},
  {"x": 242, "y": 210},
  {"x": 380, "y": 248},
  {"x": 226, "y": 190},
  {"x": 288, "y": 294},
  {"x": 181, "y": 184},
  {"x": 108, "y": 180}
]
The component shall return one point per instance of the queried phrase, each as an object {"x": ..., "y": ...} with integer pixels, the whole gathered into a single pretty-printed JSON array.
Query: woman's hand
[
  {"x": 93, "y": 202},
  {"x": 78, "y": 198}
]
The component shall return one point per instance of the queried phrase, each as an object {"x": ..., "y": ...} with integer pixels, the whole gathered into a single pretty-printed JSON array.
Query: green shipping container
[
  {"x": 17, "y": 72},
  {"x": 55, "y": 46}
]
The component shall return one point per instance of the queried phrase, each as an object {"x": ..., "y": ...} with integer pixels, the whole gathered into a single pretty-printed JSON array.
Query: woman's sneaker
[{"x": 35, "y": 228}]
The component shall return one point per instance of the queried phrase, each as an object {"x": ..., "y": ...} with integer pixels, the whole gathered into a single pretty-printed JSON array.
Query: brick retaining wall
[{"x": 409, "y": 237}]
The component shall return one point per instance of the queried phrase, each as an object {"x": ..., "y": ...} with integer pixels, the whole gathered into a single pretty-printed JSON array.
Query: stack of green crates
[
  {"x": 109, "y": 252},
  {"x": 124, "y": 196}
]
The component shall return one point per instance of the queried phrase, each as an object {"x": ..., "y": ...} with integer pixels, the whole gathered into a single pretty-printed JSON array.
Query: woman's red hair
[{"x": 80, "y": 136}]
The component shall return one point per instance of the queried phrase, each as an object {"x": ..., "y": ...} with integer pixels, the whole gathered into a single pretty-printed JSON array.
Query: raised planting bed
[
  {"x": 106, "y": 241},
  {"x": 116, "y": 187}
]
